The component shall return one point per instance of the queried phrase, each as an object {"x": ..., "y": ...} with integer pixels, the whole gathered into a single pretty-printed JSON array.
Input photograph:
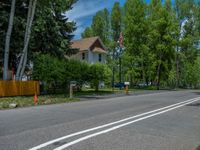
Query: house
[{"x": 91, "y": 50}]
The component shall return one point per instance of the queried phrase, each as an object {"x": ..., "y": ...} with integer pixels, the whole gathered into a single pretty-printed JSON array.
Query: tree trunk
[
  {"x": 25, "y": 40},
  {"x": 131, "y": 81},
  {"x": 158, "y": 73},
  {"x": 23, "y": 59},
  {"x": 143, "y": 72},
  {"x": 7, "y": 42},
  {"x": 96, "y": 86},
  {"x": 177, "y": 59},
  {"x": 23, "y": 65},
  {"x": 177, "y": 73},
  {"x": 158, "y": 77},
  {"x": 177, "y": 69}
]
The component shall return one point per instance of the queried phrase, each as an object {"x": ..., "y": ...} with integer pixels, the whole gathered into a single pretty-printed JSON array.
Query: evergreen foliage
[{"x": 51, "y": 31}]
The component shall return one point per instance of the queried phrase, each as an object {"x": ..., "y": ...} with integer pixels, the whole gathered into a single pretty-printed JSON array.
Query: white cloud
[
  {"x": 78, "y": 32},
  {"x": 84, "y": 10},
  {"x": 81, "y": 10}
]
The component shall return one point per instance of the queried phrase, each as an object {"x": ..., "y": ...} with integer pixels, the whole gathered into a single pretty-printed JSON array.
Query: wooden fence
[{"x": 19, "y": 88}]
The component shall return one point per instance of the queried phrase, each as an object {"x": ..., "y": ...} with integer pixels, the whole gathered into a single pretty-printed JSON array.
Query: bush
[
  {"x": 58, "y": 73},
  {"x": 96, "y": 75}
]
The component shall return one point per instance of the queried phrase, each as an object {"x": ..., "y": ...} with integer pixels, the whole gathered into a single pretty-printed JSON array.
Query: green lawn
[{"x": 26, "y": 101}]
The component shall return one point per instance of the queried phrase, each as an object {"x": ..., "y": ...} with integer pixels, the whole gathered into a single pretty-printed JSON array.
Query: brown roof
[{"x": 86, "y": 43}]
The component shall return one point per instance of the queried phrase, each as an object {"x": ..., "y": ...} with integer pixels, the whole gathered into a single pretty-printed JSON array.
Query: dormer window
[{"x": 83, "y": 56}]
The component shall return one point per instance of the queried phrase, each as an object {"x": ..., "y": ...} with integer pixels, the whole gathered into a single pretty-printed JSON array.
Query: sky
[{"x": 84, "y": 10}]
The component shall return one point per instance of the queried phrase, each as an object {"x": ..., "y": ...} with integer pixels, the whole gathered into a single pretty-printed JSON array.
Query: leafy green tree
[
  {"x": 161, "y": 38},
  {"x": 98, "y": 73},
  {"x": 187, "y": 39},
  {"x": 136, "y": 33},
  {"x": 107, "y": 27},
  {"x": 88, "y": 32},
  {"x": 75, "y": 70},
  {"x": 191, "y": 74},
  {"x": 116, "y": 28},
  {"x": 172, "y": 78},
  {"x": 107, "y": 75},
  {"x": 116, "y": 21},
  {"x": 130, "y": 69},
  {"x": 197, "y": 17},
  {"x": 48, "y": 69},
  {"x": 100, "y": 26}
]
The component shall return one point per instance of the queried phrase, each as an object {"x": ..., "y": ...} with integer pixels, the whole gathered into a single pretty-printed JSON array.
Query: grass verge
[
  {"x": 27, "y": 101},
  {"x": 198, "y": 148}
]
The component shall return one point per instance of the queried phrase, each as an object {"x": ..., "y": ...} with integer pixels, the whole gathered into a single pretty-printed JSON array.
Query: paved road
[{"x": 174, "y": 127}]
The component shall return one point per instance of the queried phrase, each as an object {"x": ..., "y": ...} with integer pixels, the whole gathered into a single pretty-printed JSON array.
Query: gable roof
[{"x": 86, "y": 43}]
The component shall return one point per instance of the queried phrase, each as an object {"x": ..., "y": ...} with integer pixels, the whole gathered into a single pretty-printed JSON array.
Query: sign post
[{"x": 72, "y": 84}]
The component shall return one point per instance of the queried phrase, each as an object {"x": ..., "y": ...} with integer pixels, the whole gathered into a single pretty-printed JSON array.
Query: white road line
[
  {"x": 119, "y": 126},
  {"x": 105, "y": 125}
]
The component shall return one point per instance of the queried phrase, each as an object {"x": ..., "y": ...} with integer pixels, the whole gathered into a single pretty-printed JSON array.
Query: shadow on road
[
  {"x": 194, "y": 104},
  {"x": 197, "y": 93}
]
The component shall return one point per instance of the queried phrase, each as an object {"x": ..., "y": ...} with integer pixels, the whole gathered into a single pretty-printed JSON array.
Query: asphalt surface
[{"x": 176, "y": 129}]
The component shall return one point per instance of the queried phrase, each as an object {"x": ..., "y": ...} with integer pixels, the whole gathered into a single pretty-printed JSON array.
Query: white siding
[
  {"x": 78, "y": 56},
  {"x": 86, "y": 56},
  {"x": 96, "y": 58},
  {"x": 90, "y": 57}
]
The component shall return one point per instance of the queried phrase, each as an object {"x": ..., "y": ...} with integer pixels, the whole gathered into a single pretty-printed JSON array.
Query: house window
[
  {"x": 100, "y": 58},
  {"x": 83, "y": 56}
]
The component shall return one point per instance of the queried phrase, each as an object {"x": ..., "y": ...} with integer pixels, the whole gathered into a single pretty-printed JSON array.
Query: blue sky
[{"x": 84, "y": 10}]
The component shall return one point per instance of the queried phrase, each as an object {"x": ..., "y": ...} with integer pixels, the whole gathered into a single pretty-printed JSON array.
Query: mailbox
[{"x": 126, "y": 83}]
